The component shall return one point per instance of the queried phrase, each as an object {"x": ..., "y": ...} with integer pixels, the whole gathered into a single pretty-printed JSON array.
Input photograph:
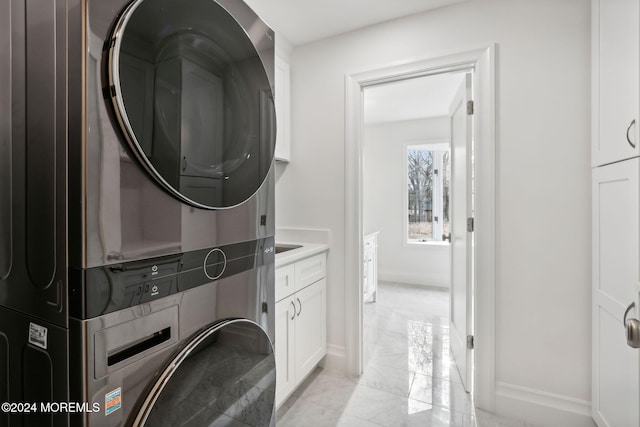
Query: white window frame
[{"x": 430, "y": 145}]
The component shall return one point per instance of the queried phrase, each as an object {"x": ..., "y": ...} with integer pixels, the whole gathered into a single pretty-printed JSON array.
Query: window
[{"x": 428, "y": 178}]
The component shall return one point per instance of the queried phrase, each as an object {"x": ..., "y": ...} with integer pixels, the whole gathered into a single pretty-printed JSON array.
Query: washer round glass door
[
  {"x": 190, "y": 91},
  {"x": 225, "y": 375}
]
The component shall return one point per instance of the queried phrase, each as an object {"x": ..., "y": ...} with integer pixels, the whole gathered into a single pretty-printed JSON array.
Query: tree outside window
[{"x": 428, "y": 177}]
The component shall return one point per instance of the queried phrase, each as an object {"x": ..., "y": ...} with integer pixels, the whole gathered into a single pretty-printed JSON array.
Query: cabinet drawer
[
  {"x": 310, "y": 270},
  {"x": 285, "y": 278}
]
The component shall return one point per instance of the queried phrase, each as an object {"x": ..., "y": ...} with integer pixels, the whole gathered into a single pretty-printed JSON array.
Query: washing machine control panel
[
  {"x": 214, "y": 263},
  {"x": 101, "y": 290}
]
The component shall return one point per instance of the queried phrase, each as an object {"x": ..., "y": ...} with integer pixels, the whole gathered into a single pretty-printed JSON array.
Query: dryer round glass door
[
  {"x": 225, "y": 375},
  {"x": 191, "y": 92}
]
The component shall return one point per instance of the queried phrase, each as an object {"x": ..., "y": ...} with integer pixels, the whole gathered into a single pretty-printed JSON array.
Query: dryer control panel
[{"x": 100, "y": 290}]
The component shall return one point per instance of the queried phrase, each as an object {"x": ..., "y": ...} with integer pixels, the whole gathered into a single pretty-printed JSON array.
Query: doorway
[
  {"x": 481, "y": 62},
  {"x": 407, "y": 165}
]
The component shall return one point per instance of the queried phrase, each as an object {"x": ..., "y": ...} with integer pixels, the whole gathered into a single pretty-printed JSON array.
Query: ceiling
[
  {"x": 411, "y": 99},
  {"x": 304, "y": 21}
]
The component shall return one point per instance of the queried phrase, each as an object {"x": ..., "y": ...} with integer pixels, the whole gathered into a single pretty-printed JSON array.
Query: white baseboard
[
  {"x": 411, "y": 279},
  {"x": 540, "y": 408},
  {"x": 336, "y": 358}
]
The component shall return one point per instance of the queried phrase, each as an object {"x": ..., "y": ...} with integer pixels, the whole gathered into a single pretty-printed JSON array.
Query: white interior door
[
  {"x": 460, "y": 312},
  {"x": 616, "y": 366}
]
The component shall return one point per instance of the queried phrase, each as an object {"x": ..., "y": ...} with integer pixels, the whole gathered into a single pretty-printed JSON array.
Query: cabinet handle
[
  {"x": 632, "y": 328},
  {"x": 628, "y": 129},
  {"x": 294, "y": 310},
  {"x": 300, "y": 311}
]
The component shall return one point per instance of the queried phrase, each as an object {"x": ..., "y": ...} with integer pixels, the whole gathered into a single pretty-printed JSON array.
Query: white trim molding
[
  {"x": 482, "y": 62},
  {"x": 542, "y": 408}
]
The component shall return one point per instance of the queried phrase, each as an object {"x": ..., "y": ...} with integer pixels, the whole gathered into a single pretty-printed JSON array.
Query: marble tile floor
[{"x": 409, "y": 377}]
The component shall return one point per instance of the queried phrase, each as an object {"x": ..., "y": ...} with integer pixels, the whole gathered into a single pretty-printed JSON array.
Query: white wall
[
  {"x": 384, "y": 201},
  {"x": 543, "y": 190}
]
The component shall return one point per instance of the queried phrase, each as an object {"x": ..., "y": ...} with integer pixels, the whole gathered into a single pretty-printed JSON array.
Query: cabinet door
[
  {"x": 311, "y": 329},
  {"x": 615, "y": 51},
  {"x": 616, "y": 366},
  {"x": 284, "y": 349}
]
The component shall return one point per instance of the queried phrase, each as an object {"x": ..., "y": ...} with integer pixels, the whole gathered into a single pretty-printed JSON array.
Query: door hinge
[
  {"x": 470, "y": 109},
  {"x": 470, "y": 225},
  {"x": 470, "y": 342}
]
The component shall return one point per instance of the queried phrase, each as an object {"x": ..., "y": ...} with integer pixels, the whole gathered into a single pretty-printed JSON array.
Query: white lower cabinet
[
  {"x": 616, "y": 293},
  {"x": 301, "y": 332}
]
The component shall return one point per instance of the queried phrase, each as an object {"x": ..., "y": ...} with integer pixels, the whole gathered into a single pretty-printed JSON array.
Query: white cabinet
[
  {"x": 301, "y": 337},
  {"x": 310, "y": 270},
  {"x": 370, "y": 267},
  {"x": 615, "y": 80},
  {"x": 615, "y": 210},
  {"x": 283, "y": 109},
  {"x": 616, "y": 251}
]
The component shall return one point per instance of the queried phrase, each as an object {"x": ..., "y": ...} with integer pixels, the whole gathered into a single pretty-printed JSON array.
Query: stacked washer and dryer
[{"x": 137, "y": 214}]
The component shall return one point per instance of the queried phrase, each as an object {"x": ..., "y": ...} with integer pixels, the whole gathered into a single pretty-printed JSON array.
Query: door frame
[{"x": 482, "y": 62}]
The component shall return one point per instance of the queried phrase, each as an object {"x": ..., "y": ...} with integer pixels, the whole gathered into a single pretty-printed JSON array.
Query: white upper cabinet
[
  {"x": 616, "y": 57},
  {"x": 283, "y": 111}
]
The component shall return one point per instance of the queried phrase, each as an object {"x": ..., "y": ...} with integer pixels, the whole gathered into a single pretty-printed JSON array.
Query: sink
[{"x": 284, "y": 248}]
